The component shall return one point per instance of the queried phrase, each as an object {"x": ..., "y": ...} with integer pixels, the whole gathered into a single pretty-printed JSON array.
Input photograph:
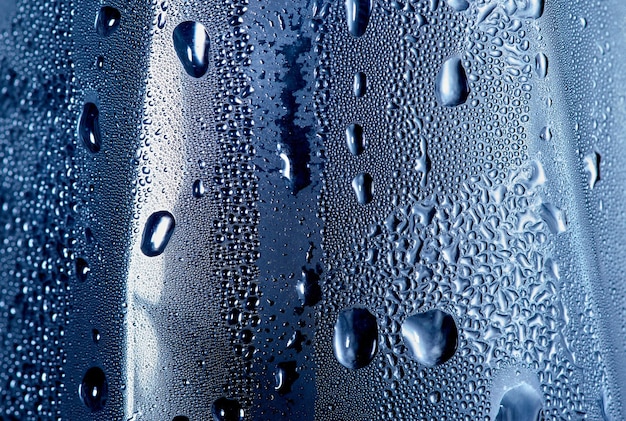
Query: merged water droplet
[
  {"x": 541, "y": 65},
  {"x": 191, "y": 42},
  {"x": 554, "y": 218},
  {"x": 354, "y": 139},
  {"x": 431, "y": 337},
  {"x": 285, "y": 376},
  {"x": 89, "y": 127},
  {"x": 157, "y": 233},
  {"x": 363, "y": 186},
  {"x": 521, "y": 403},
  {"x": 94, "y": 389},
  {"x": 224, "y": 409},
  {"x": 360, "y": 84},
  {"x": 452, "y": 87},
  {"x": 355, "y": 339},
  {"x": 82, "y": 269},
  {"x": 592, "y": 165},
  {"x": 107, "y": 20},
  {"x": 358, "y": 14}
]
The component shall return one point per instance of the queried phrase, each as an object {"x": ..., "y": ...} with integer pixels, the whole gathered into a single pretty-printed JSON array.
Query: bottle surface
[{"x": 312, "y": 210}]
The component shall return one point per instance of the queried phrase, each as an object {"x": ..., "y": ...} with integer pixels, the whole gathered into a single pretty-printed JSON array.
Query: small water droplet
[
  {"x": 360, "y": 84},
  {"x": 541, "y": 65},
  {"x": 157, "y": 233},
  {"x": 358, "y": 14},
  {"x": 354, "y": 139},
  {"x": 592, "y": 165},
  {"x": 521, "y": 403},
  {"x": 191, "y": 43},
  {"x": 452, "y": 87},
  {"x": 355, "y": 339},
  {"x": 107, "y": 20},
  {"x": 225, "y": 409},
  {"x": 82, "y": 269},
  {"x": 363, "y": 186},
  {"x": 198, "y": 189},
  {"x": 285, "y": 376},
  {"x": 431, "y": 337},
  {"x": 89, "y": 127},
  {"x": 93, "y": 390}
]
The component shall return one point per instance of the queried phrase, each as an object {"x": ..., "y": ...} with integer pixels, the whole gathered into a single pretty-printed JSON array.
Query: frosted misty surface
[{"x": 312, "y": 210}]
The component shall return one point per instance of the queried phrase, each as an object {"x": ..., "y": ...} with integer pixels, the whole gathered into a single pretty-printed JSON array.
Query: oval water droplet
[
  {"x": 546, "y": 134},
  {"x": 363, "y": 186},
  {"x": 93, "y": 390},
  {"x": 82, "y": 269},
  {"x": 107, "y": 20},
  {"x": 360, "y": 84},
  {"x": 531, "y": 9},
  {"x": 431, "y": 337},
  {"x": 355, "y": 339},
  {"x": 191, "y": 42},
  {"x": 285, "y": 376},
  {"x": 89, "y": 127},
  {"x": 452, "y": 87},
  {"x": 157, "y": 233},
  {"x": 308, "y": 289},
  {"x": 225, "y": 409},
  {"x": 358, "y": 14},
  {"x": 541, "y": 65},
  {"x": 198, "y": 189},
  {"x": 592, "y": 165},
  {"x": 354, "y": 139},
  {"x": 458, "y": 5},
  {"x": 521, "y": 403}
]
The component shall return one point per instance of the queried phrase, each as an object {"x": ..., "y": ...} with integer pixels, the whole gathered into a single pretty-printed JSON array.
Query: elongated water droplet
[
  {"x": 191, "y": 42},
  {"x": 89, "y": 127},
  {"x": 546, "y": 134},
  {"x": 452, "y": 87},
  {"x": 224, "y": 409},
  {"x": 360, "y": 84},
  {"x": 107, "y": 20},
  {"x": 285, "y": 376},
  {"x": 354, "y": 139},
  {"x": 592, "y": 165},
  {"x": 82, "y": 269},
  {"x": 308, "y": 289},
  {"x": 554, "y": 218},
  {"x": 358, "y": 14},
  {"x": 521, "y": 403},
  {"x": 541, "y": 65},
  {"x": 93, "y": 390},
  {"x": 363, "y": 186},
  {"x": 458, "y": 5},
  {"x": 355, "y": 340},
  {"x": 157, "y": 233},
  {"x": 198, "y": 189},
  {"x": 531, "y": 9},
  {"x": 431, "y": 337}
]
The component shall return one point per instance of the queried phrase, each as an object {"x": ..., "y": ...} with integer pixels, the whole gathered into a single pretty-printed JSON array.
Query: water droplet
[
  {"x": 157, "y": 232},
  {"x": 430, "y": 336},
  {"x": 308, "y": 289},
  {"x": 285, "y": 376},
  {"x": 434, "y": 397},
  {"x": 531, "y": 9},
  {"x": 541, "y": 65},
  {"x": 89, "y": 127},
  {"x": 82, "y": 269},
  {"x": 592, "y": 165},
  {"x": 198, "y": 189},
  {"x": 458, "y": 5},
  {"x": 554, "y": 218},
  {"x": 546, "y": 134},
  {"x": 354, "y": 139},
  {"x": 95, "y": 335},
  {"x": 355, "y": 340},
  {"x": 191, "y": 43},
  {"x": 363, "y": 186},
  {"x": 225, "y": 409},
  {"x": 521, "y": 403},
  {"x": 107, "y": 21},
  {"x": 452, "y": 86},
  {"x": 94, "y": 389},
  {"x": 180, "y": 418},
  {"x": 360, "y": 84},
  {"x": 358, "y": 14}
]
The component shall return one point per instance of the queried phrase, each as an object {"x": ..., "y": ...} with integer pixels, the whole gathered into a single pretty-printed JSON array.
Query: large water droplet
[
  {"x": 541, "y": 65},
  {"x": 355, "y": 340},
  {"x": 358, "y": 14},
  {"x": 430, "y": 336},
  {"x": 198, "y": 189},
  {"x": 157, "y": 233},
  {"x": 521, "y": 403},
  {"x": 458, "y": 5},
  {"x": 554, "y": 218},
  {"x": 180, "y": 418},
  {"x": 107, "y": 20},
  {"x": 308, "y": 289},
  {"x": 354, "y": 139},
  {"x": 592, "y": 165},
  {"x": 363, "y": 186},
  {"x": 531, "y": 9},
  {"x": 89, "y": 127},
  {"x": 360, "y": 84},
  {"x": 285, "y": 376},
  {"x": 225, "y": 409},
  {"x": 191, "y": 43},
  {"x": 452, "y": 86},
  {"x": 94, "y": 389},
  {"x": 82, "y": 269}
]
